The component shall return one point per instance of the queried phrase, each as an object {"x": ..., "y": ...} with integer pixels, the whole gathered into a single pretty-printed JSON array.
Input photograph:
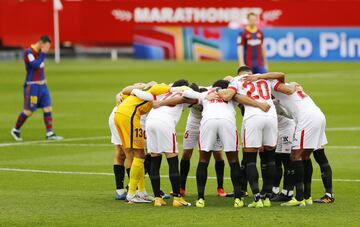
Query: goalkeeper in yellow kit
[{"x": 127, "y": 121}]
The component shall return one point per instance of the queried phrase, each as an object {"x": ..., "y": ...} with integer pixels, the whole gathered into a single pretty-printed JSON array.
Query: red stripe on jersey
[
  {"x": 302, "y": 139},
  {"x": 249, "y": 56},
  {"x": 259, "y": 56},
  {"x": 243, "y": 37},
  {"x": 233, "y": 88},
  {"x": 27, "y": 96},
  {"x": 244, "y": 138},
  {"x": 277, "y": 85},
  {"x": 36, "y": 76},
  {"x": 26, "y": 59},
  {"x": 174, "y": 142},
  {"x": 154, "y": 97}
]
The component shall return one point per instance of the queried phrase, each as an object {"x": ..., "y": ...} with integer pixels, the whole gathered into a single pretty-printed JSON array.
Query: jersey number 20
[{"x": 262, "y": 89}]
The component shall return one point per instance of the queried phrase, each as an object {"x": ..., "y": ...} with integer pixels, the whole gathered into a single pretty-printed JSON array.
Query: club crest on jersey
[{"x": 137, "y": 142}]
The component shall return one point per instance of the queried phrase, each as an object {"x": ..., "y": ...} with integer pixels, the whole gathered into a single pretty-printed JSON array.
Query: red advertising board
[{"x": 111, "y": 22}]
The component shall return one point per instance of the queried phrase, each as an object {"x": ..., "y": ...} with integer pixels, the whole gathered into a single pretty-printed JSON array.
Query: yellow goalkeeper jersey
[{"x": 133, "y": 105}]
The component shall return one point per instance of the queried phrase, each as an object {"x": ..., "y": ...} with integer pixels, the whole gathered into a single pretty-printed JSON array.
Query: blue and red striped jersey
[
  {"x": 252, "y": 42},
  {"x": 34, "y": 64}
]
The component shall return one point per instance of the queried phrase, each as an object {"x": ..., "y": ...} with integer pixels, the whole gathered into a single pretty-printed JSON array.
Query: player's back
[
  {"x": 298, "y": 104},
  {"x": 170, "y": 114},
  {"x": 217, "y": 108},
  {"x": 132, "y": 106},
  {"x": 259, "y": 90}
]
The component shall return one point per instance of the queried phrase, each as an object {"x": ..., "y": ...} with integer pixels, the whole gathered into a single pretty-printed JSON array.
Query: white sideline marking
[
  {"x": 336, "y": 129},
  {"x": 342, "y": 147},
  {"x": 110, "y": 145},
  {"x": 73, "y": 144},
  {"x": 111, "y": 174},
  {"x": 343, "y": 129},
  {"x": 52, "y": 141}
]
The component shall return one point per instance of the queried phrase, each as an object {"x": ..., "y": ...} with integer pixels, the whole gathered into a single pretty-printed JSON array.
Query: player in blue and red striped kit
[
  {"x": 36, "y": 93},
  {"x": 251, "y": 51}
]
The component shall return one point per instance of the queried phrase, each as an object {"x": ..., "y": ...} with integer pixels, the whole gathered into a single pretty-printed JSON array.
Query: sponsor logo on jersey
[{"x": 254, "y": 42}]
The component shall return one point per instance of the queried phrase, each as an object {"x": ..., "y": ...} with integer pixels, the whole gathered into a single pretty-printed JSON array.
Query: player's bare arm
[
  {"x": 168, "y": 102},
  {"x": 263, "y": 50},
  {"x": 141, "y": 86},
  {"x": 118, "y": 98},
  {"x": 212, "y": 96},
  {"x": 243, "y": 99},
  {"x": 266, "y": 76},
  {"x": 149, "y": 85},
  {"x": 286, "y": 89},
  {"x": 297, "y": 86},
  {"x": 127, "y": 90},
  {"x": 228, "y": 78},
  {"x": 226, "y": 94},
  {"x": 173, "y": 101},
  {"x": 240, "y": 52}
]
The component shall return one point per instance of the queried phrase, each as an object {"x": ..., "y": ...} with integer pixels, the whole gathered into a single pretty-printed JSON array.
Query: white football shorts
[
  {"x": 115, "y": 137},
  {"x": 286, "y": 130},
  {"x": 310, "y": 131},
  {"x": 160, "y": 137},
  {"x": 215, "y": 131},
  {"x": 258, "y": 131}
]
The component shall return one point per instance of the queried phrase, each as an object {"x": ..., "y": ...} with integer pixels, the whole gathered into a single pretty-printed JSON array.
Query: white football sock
[{"x": 275, "y": 190}]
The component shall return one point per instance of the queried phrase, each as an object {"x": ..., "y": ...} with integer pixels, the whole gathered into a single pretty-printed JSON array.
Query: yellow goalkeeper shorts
[{"x": 130, "y": 131}]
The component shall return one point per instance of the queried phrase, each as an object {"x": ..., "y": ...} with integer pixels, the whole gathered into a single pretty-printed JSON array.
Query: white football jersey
[
  {"x": 280, "y": 110},
  {"x": 282, "y": 114},
  {"x": 143, "y": 120},
  {"x": 297, "y": 104},
  {"x": 216, "y": 108},
  {"x": 195, "y": 116},
  {"x": 170, "y": 114},
  {"x": 259, "y": 90}
]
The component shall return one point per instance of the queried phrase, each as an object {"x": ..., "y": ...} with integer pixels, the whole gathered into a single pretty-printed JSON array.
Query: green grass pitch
[{"x": 83, "y": 96}]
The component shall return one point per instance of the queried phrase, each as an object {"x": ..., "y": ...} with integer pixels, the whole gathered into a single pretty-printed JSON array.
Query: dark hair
[
  {"x": 45, "y": 39},
  {"x": 251, "y": 14},
  {"x": 221, "y": 83},
  {"x": 194, "y": 86},
  {"x": 180, "y": 83},
  {"x": 203, "y": 89},
  {"x": 243, "y": 68}
]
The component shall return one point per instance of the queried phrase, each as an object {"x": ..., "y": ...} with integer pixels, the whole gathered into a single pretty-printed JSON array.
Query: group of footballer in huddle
[{"x": 280, "y": 122}]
